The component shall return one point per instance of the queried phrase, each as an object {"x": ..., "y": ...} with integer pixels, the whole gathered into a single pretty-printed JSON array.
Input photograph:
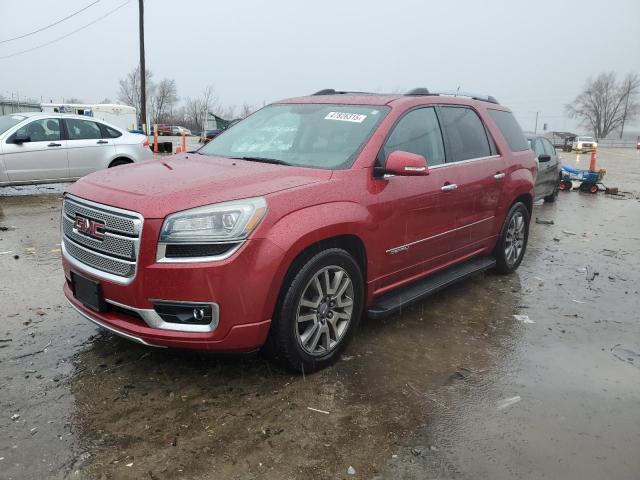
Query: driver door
[
  {"x": 419, "y": 213},
  {"x": 42, "y": 158}
]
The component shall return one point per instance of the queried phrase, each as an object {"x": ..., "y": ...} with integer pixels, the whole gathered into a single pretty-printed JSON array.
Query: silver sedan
[{"x": 51, "y": 147}]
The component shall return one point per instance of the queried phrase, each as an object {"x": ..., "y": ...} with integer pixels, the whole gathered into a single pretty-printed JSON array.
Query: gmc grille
[{"x": 115, "y": 255}]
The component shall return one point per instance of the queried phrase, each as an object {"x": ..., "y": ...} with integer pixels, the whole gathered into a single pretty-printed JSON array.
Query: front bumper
[{"x": 243, "y": 288}]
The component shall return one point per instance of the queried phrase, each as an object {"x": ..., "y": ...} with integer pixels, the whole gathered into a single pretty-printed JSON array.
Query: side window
[
  {"x": 537, "y": 146},
  {"x": 43, "y": 130},
  {"x": 465, "y": 132},
  {"x": 548, "y": 147},
  {"x": 510, "y": 130},
  {"x": 108, "y": 132},
  {"x": 82, "y": 129},
  {"x": 417, "y": 132}
]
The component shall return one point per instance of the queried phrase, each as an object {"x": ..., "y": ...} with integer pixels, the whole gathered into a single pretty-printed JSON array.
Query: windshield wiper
[{"x": 275, "y": 161}]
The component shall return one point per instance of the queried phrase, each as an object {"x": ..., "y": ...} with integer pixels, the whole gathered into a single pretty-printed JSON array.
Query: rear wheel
[
  {"x": 318, "y": 313},
  {"x": 593, "y": 189},
  {"x": 565, "y": 185},
  {"x": 513, "y": 239},
  {"x": 118, "y": 162},
  {"x": 552, "y": 198}
]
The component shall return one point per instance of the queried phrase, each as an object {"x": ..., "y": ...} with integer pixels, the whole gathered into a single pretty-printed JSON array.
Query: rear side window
[
  {"x": 417, "y": 132},
  {"x": 510, "y": 130},
  {"x": 548, "y": 148},
  {"x": 108, "y": 132},
  {"x": 82, "y": 129},
  {"x": 466, "y": 135}
]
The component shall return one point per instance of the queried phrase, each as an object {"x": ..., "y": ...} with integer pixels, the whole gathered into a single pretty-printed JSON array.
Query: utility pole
[
  {"x": 143, "y": 70},
  {"x": 535, "y": 130}
]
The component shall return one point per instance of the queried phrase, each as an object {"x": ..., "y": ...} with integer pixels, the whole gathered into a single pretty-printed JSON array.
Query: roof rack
[
  {"x": 482, "y": 98},
  {"x": 331, "y": 91}
]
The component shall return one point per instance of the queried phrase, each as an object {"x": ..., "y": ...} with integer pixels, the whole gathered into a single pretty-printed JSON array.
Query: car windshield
[
  {"x": 307, "y": 135},
  {"x": 8, "y": 121}
]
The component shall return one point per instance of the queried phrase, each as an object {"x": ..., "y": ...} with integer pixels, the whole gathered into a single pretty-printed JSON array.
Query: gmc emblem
[{"x": 89, "y": 227}]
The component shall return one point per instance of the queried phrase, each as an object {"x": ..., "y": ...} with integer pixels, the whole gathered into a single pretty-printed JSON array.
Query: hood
[{"x": 159, "y": 187}]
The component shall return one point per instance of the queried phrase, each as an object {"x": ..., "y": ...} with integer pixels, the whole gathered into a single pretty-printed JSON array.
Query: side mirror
[
  {"x": 406, "y": 164},
  {"x": 544, "y": 158},
  {"x": 20, "y": 138}
]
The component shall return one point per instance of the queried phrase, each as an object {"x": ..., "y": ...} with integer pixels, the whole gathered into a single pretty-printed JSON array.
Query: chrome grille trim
[{"x": 115, "y": 257}]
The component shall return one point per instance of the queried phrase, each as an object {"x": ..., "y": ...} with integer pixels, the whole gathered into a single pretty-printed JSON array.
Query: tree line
[{"x": 166, "y": 107}]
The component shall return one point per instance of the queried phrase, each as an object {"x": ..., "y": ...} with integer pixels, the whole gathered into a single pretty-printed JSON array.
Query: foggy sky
[{"x": 533, "y": 56}]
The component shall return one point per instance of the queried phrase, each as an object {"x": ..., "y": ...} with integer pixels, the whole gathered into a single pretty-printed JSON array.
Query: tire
[
  {"x": 566, "y": 185},
  {"x": 118, "y": 162},
  {"x": 311, "y": 328},
  {"x": 593, "y": 188},
  {"x": 508, "y": 260},
  {"x": 552, "y": 198}
]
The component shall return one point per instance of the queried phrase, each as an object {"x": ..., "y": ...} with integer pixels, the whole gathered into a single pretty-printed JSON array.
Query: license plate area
[{"x": 88, "y": 292}]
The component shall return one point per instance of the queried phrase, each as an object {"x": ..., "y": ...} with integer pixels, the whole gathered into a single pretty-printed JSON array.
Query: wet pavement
[{"x": 454, "y": 387}]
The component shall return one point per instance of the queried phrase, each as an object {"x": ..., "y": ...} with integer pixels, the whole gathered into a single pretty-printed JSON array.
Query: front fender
[{"x": 302, "y": 228}]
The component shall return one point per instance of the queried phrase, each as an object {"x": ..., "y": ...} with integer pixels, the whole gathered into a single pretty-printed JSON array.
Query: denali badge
[{"x": 89, "y": 227}]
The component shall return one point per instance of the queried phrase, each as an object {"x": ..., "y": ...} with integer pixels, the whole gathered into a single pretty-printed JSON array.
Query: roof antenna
[{"x": 457, "y": 90}]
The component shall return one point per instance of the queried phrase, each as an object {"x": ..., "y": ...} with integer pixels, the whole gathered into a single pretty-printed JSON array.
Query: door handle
[
  {"x": 100, "y": 142},
  {"x": 449, "y": 187},
  {"x": 52, "y": 144},
  {"x": 499, "y": 176}
]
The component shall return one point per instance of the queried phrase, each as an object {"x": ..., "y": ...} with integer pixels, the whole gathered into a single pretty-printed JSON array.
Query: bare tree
[
  {"x": 129, "y": 92},
  {"x": 246, "y": 110},
  {"x": 73, "y": 100},
  {"x": 197, "y": 109},
  {"x": 163, "y": 101},
  {"x": 106, "y": 100},
  {"x": 604, "y": 104},
  {"x": 630, "y": 87}
]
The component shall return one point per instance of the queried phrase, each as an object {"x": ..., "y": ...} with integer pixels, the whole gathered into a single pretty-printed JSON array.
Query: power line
[
  {"x": 67, "y": 35},
  {"x": 50, "y": 25}
]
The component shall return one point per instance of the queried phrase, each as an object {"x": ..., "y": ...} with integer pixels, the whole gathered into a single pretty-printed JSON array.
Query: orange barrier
[
  {"x": 179, "y": 149},
  {"x": 592, "y": 164},
  {"x": 155, "y": 138}
]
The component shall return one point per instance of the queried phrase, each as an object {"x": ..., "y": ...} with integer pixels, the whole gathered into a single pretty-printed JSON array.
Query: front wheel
[
  {"x": 513, "y": 239},
  {"x": 318, "y": 313}
]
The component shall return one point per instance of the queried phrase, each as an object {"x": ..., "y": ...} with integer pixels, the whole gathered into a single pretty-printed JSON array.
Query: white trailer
[{"x": 122, "y": 116}]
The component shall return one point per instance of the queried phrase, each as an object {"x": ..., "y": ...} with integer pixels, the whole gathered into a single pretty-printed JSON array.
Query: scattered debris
[
  {"x": 611, "y": 190},
  {"x": 351, "y": 470},
  {"x": 591, "y": 274},
  {"x": 569, "y": 232},
  {"x": 577, "y": 301},
  {"x": 418, "y": 451},
  {"x": 7, "y": 252},
  {"x": 15, "y": 416},
  {"x": 556, "y": 239},
  {"x": 609, "y": 253},
  {"x": 523, "y": 318},
  {"x": 129, "y": 464},
  {"x": 316, "y": 410},
  {"x": 626, "y": 355},
  {"x": 6, "y": 229},
  {"x": 542, "y": 221},
  {"x": 507, "y": 402}
]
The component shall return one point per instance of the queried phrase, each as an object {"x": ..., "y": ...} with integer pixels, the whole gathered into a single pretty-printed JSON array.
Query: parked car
[
  {"x": 549, "y": 168},
  {"x": 210, "y": 135},
  {"x": 40, "y": 147},
  {"x": 285, "y": 230},
  {"x": 164, "y": 130},
  {"x": 584, "y": 144}
]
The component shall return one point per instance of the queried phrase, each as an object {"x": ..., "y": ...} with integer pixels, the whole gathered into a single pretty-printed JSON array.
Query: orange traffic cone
[
  {"x": 592, "y": 164},
  {"x": 178, "y": 149}
]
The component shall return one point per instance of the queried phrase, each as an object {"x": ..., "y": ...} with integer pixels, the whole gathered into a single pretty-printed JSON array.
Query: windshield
[
  {"x": 305, "y": 135},
  {"x": 8, "y": 121},
  {"x": 585, "y": 139}
]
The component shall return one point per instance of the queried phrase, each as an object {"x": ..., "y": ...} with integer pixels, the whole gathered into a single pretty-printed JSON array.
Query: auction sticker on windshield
[{"x": 345, "y": 117}]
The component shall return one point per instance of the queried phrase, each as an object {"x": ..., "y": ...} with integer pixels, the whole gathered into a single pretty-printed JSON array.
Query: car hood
[{"x": 160, "y": 187}]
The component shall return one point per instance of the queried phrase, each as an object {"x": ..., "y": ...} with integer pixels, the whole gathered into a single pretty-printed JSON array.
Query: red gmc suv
[{"x": 289, "y": 227}]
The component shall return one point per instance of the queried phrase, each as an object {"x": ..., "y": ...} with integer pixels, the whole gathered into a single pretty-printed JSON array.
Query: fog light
[{"x": 185, "y": 313}]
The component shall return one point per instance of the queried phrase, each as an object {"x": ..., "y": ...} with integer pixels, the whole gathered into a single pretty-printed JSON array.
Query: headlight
[{"x": 220, "y": 222}]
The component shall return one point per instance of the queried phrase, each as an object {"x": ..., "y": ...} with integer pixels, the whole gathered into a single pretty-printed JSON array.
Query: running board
[{"x": 394, "y": 301}]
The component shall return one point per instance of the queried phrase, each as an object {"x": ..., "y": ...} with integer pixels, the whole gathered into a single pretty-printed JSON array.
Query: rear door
[
  {"x": 87, "y": 150},
  {"x": 43, "y": 157},
  {"x": 480, "y": 172},
  {"x": 418, "y": 214},
  {"x": 551, "y": 176}
]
